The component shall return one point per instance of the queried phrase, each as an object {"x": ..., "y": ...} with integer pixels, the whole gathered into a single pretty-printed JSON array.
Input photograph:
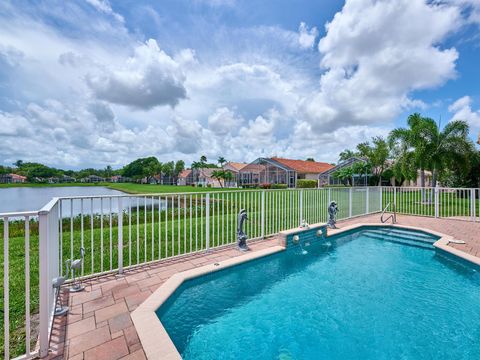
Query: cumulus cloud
[
  {"x": 103, "y": 114},
  {"x": 252, "y": 91},
  {"x": 149, "y": 78},
  {"x": 306, "y": 37},
  {"x": 373, "y": 61},
  {"x": 462, "y": 110},
  {"x": 224, "y": 121}
]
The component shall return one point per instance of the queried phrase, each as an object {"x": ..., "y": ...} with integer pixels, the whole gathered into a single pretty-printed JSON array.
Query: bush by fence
[{"x": 306, "y": 184}]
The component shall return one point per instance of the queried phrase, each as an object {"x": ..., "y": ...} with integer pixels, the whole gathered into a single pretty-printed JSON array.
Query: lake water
[{"x": 34, "y": 198}]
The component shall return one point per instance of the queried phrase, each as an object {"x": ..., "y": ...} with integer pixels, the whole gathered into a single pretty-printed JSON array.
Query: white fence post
[
  {"x": 436, "y": 202},
  {"x": 6, "y": 289},
  {"x": 207, "y": 221},
  {"x": 44, "y": 283},
  {"x": 367, "y": 200},
  {"x": 381, "y": 197},
  {"x": 262, "y": 214},
  {"x": 395, "y": 197},
  {"x": 120, "y": 235},
  {"x": 301, "y": 207},
  {"x": 350, "y": 202},
  {"x": 472, "y": 205}
]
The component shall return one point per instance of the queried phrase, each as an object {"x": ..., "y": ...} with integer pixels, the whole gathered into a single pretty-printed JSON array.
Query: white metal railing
[
  {"x": 14, "y": 282},
  {"x": 123, "y": 231},
  {"x": 440, "y": 202}
]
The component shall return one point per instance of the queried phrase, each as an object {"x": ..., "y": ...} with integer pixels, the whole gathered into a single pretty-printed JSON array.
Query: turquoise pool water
[{"x": 371, "y": 294}]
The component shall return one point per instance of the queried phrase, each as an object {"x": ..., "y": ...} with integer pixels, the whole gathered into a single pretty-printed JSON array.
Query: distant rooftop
[{"x": 304, "y": 166}]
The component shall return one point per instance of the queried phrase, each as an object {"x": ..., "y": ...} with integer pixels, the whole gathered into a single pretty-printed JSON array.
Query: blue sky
[{"x": 96, "y": 82}]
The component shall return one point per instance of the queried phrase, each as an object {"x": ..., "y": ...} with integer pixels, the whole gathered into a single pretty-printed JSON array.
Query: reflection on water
[{"x": 34, "y": 198}]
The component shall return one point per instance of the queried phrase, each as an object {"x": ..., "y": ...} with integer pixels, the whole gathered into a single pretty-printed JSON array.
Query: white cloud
[
  {"x": 150, "y": 78},
  {"x": 105, "y": 7},
  {"x": 224, "y": 121},
  {"x": 247, "y": 92},
  {"x": 462, "y": 110},
  {"x": 307, "y": 37},
  {"x": 373, "y": 60}
]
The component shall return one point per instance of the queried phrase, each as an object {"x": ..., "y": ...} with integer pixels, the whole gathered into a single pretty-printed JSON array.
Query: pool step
[
  {"x": 400, "y": 240},
  {"x": 404, "y": 234},
  {"x": 417, "y": 234}
]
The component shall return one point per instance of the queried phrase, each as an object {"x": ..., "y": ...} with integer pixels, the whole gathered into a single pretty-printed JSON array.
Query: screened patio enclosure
[{"x": 266, "y": 171}]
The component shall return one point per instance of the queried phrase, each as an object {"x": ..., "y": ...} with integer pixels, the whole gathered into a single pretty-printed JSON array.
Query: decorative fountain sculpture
[
  {"x": 75, "y": 266},
  {"x": 241, "y": 236},
  {"x": 57, "y": 284},
  {"x": 332, "y": 214}
]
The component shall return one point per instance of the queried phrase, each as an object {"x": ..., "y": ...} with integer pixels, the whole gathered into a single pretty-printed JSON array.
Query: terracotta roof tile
[
  {"x": 236, "y": 165},
  {"x": 185, "y": 173},
  {"x": 303, "y": 166}
]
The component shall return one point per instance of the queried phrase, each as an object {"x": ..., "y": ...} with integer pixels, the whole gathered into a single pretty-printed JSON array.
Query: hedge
[{"x": 304, "y": 184}]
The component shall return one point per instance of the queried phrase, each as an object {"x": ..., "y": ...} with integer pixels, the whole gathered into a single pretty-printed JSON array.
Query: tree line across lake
[{"x": 142, "y": 168}]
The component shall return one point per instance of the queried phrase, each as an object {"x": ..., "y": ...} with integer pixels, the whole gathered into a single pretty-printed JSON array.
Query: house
[
  {"x": 204, "y": 177},
  {"x": 53, "y": 180},
  {"x": 327, "y": 178},
  {"x": 12, "y": 179},
  {"x": 118, "y": 179},
  {"x": 93, "y": 179},
  {"x": 234, "y": 168},
  {"x": 67, "y": 179},
  {"x": 417, "y": 182},
  {"x": 280, "y": 171},
  {"x": 185, "y": 178}
]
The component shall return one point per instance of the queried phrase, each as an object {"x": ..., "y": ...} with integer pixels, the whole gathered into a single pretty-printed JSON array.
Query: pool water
[{"x": 370, "y": 294}]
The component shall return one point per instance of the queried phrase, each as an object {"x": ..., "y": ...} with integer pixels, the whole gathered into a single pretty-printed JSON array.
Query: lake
[{"x": 34, "y": 198}]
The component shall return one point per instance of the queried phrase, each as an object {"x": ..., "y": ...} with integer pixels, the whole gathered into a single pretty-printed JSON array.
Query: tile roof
[
  {"x": 303, "y": 166},
  {"x": 185, "y": 173},
  {"x": 236, "y": 165}
]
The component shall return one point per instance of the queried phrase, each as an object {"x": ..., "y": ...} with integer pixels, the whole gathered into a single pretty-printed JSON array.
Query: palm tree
[
  {"x": 427, "y": 147},
  {"x": 446, "y": 147},
  {"x": 346, "y": 155}
]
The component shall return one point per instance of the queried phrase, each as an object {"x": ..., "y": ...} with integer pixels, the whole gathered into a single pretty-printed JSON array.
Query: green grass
[{"x": 282, "y": 211}]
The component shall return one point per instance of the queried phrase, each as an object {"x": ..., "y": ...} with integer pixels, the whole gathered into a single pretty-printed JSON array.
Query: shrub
[
  {"x": 278, "y": 186},
  {"x": 265, "y": 186},
  {"x": 306, "y": 184}
]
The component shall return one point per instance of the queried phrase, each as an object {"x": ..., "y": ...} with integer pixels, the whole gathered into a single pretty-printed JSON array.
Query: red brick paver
[{"x": 99, "y": 325}]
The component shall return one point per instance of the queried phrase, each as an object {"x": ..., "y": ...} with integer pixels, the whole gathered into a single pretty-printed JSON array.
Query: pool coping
[{"x": 155, "y": 340}]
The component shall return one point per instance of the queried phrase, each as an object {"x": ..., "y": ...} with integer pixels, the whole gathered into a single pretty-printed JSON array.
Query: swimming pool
[{"x": 373, "y": 293}]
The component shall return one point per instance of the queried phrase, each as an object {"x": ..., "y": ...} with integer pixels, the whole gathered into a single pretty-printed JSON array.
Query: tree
[
  {"x": 108, "y": 171},
  {"x": 377, "y": 155},
  {"x": 425, "y": 146},
  {"x": 228, "y": 176},
  {"x": 346, "y": 155},
  {"x": 221, "y": 161},
  {"x": 143, "y": 167},
  {"x": 345, "y": 175},
  {"x": 168, "y": 168},
  {"x": 219, "y": 175},
  {"x": 18, "y": 163},
  {"x": 310, "y": 159},
  {"x": 179, "y": 167}
]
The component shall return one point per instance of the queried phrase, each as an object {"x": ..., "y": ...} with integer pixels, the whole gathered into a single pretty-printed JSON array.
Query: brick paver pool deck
[{"x": 99, "y": 325}]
